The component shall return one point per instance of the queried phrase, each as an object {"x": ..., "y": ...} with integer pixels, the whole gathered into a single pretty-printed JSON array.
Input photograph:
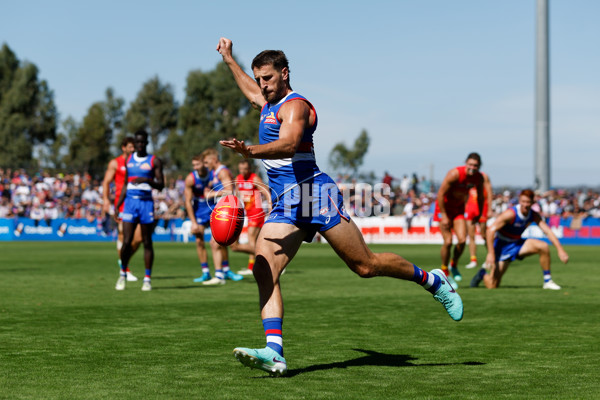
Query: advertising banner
[{"x": 419, "y": 230}]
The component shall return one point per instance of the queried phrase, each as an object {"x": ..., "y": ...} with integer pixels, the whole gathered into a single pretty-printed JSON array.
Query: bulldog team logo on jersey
[{"x": 270, "y": 119}]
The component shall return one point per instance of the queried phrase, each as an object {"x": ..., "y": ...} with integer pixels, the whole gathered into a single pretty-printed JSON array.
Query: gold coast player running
[
  {"x": 252, "y": 190},
  {"x": 305, "y": 201},
  {"x": 115, "y": 172},
  {"x": 450, "y": 210}
]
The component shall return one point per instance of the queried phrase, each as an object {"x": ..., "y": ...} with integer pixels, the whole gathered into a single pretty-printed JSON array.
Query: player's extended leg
[
  {"x": 276, "y": 246},
  {"x": 535, "y": 246},
  {"x": 347, "y": 241}
]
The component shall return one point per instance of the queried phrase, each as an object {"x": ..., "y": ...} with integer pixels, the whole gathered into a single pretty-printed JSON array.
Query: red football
[{"x": 227, "y": 220}]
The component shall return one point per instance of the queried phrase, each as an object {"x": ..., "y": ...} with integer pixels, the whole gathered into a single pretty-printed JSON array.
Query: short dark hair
[
  {"x": 141, "y": 132},
  {"x": 474, "y": 156},
  {"x": 527, "y": 192},
  {"x": 276, "y": 58},
  {"x": 126, "y": 140}
]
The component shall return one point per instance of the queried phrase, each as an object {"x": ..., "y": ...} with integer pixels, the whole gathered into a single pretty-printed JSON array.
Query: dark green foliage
[
  {"x": 214, "y": 109},
  {"x": 28, "y": 115},
  {"x": 154, "y": 110},
  {"x": 349, "y": 160}
]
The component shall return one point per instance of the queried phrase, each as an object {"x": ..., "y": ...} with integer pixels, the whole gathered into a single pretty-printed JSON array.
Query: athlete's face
[
  {"x": 272, "y": 83},
  {"x": 525, "y": 203},
  {"x": 140, "y": 144},
  {"x": 210, "y": 162},
  {"x": 472, "y": 166},
  {"x": 198, "y": 166},
  {"x": 128, "y": 149},
  {"x": 244, "y": 170}
]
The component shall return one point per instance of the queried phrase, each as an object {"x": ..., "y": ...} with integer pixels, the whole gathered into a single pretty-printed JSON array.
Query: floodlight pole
[{"x": 542, "y": 100}]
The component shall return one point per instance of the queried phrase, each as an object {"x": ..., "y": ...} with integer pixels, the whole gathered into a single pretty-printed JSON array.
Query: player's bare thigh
[
  {"x": 532, "y": 246},
  {"x": 277, "y": 244}
]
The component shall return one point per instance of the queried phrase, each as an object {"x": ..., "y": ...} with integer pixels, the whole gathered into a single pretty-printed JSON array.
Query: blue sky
[{"x": 430, "y": 80}]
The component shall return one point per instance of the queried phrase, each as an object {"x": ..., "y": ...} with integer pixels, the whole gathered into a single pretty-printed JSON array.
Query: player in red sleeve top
[{"x": 450, "y": 209}]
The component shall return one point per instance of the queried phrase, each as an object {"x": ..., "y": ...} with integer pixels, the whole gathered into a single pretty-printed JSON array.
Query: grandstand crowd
[{"x": 78, "y": 195}]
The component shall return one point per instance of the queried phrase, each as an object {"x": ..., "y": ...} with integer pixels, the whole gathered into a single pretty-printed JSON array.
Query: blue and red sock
[
  {"x": 547, "y": 276},
  {"x": 123, "y": 268},
  {"x": 225, "y": 266},
  {"x": 429, "y": 281},
  {"x": 272, "y": 328},
  {"x": 205, "y": 268}
]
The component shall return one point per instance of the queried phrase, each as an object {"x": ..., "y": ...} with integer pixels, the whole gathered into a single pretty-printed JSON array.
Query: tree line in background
[{"x": 31, "y": 136}]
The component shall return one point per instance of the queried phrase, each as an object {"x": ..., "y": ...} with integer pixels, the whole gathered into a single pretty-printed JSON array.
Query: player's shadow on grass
[{"x": 373, "y": 358}]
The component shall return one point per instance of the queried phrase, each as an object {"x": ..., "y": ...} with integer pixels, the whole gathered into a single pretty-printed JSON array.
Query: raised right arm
[{"x": 247, "y": 85}]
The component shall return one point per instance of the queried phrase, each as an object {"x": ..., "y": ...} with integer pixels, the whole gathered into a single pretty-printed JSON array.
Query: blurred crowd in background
[{"x": 43, "y": 196}]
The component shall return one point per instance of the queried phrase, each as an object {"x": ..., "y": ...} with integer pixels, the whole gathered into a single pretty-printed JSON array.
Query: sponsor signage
[{"x": 374, "y": 229}]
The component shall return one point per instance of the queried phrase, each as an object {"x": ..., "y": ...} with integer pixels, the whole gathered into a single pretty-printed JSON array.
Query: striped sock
[
  {"x": 225, "y": 265},
  {"x": 123, "y": 268},
  {"x": 205, "y": 269},
  {"x": 219, "y": 274},
  {"x": 452, "y": 264},
  {"x": 547, "y": 276},
  {"x": 474, "y": 258},
  {"x": 429, "y": 281},
  {"x": 272, "y": 328},
  {"x": 250, "y": 263},
  {"x": 148, "y": 273}
]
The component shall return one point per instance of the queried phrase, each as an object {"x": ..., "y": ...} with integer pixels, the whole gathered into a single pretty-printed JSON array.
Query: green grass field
[{"x": 65, "y": 333}]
